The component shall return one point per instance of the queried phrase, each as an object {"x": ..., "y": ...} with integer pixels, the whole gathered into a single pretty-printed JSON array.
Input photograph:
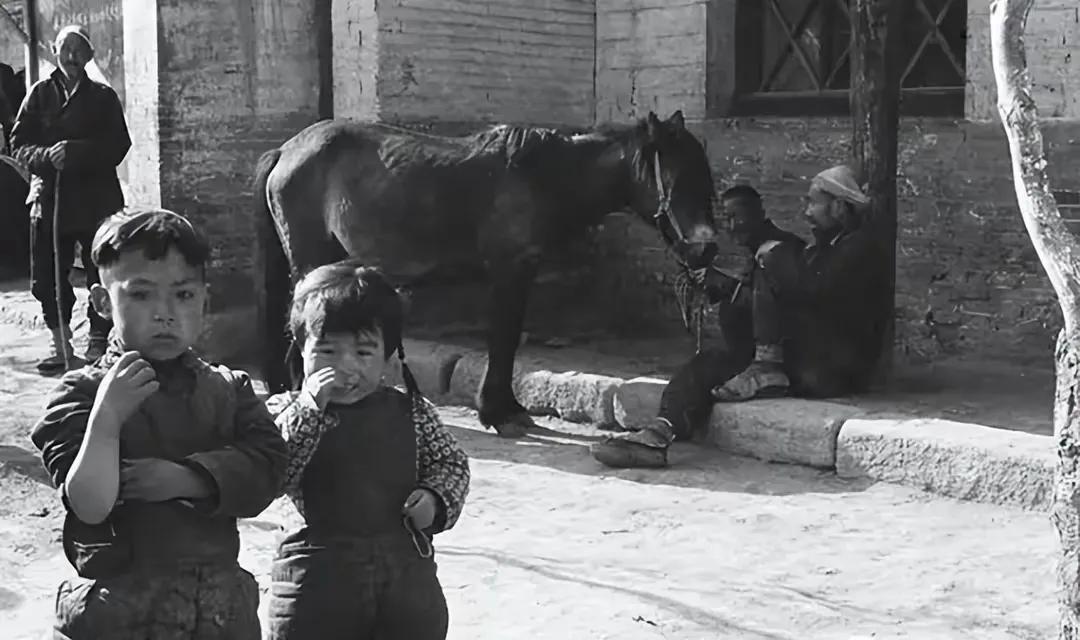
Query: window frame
[{"x": 930, "y": 101}]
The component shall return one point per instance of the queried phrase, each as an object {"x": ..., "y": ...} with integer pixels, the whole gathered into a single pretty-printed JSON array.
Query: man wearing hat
[
  {"x": 818, "y": 313},
  {"x": 72, "y": 134}
]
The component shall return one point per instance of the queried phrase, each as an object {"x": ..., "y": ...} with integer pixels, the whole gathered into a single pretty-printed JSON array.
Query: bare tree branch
[{"x": 1058, "y": 250}]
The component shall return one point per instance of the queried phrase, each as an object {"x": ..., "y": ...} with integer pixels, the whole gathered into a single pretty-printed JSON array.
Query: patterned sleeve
[
  {"x": 302, "y": 425},
  {"x": 442, "y": 465}
]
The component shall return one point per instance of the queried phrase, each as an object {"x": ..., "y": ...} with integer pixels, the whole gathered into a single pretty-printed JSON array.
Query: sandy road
[{"x": 554, "y": 546}]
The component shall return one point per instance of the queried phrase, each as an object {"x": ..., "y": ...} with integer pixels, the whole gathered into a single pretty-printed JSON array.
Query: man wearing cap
[
  {"x": 72, "y": 134},
  {"x": 818, "y": 313}
]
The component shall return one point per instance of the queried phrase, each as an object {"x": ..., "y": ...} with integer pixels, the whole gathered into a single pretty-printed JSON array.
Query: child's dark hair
[
  {"x": 348, "y": 297},
  {"x": 154, "y": 232}
]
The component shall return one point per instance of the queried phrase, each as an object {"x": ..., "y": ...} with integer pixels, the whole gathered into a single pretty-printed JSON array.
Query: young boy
[
  {"x": 157, "y": 453},
  {"x": 372, "y": 470}
]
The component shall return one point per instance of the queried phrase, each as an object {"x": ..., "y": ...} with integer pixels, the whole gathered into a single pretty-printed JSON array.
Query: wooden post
[
  {"x": 31, "y": 23},
  {"x": 1055, "y": 246},
  {"x": 324, "y": 42},
  {"x": 876, "y": 32}
]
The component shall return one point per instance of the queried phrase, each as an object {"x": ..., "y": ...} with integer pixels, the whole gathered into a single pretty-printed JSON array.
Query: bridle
[
  {"x": 690, "y": 301},
  {"x": 663, "y": 205}
]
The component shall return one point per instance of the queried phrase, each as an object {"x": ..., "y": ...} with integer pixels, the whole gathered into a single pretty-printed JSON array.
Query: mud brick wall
[
  {"x": 652, "y": 55},
  {"x": 211, "y": 85},
  {"x": 466, "y": 60}
]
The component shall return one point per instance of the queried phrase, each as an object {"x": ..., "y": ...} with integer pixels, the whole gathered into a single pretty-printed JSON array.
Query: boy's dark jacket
[
  {"x": 206, "y": 417},
  {"x": 92, "y": 122}
]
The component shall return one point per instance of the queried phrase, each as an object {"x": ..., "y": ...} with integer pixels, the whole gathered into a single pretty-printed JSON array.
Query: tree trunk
[
  {"x": 876, "y": 33},
  {"x": 30, "y": 18},
  {"x": 1056, "y": 248}
]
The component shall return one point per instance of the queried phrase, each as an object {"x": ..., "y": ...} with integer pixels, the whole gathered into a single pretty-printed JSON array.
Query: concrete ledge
[
  {"x": 637, "y": 401},
  {"x": 785, "y": 430},
  {"x": 570, "y": 395},
  {"x": 965, "y": 461}
]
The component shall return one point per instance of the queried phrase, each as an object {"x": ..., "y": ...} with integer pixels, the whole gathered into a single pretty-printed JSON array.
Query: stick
[{"x": 56, "y": 273}]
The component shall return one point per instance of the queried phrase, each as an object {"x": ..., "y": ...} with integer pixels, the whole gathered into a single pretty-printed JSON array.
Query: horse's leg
[
  {"x": 511, "y": 282},
  {"x": 308, "y": 246}
]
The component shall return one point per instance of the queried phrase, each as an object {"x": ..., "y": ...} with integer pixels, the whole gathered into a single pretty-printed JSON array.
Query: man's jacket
[{"x": 92, "y": 122}]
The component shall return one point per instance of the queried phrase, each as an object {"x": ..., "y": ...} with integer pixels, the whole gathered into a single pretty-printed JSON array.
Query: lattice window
[{"x": 793, "y": 57}]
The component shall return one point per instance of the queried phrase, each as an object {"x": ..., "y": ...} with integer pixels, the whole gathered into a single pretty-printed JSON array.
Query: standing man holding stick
[{"x": 72, "y": 134}]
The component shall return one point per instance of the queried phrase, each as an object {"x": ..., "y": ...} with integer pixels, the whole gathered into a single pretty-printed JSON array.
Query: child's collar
[{"x": 116, "y": 349}]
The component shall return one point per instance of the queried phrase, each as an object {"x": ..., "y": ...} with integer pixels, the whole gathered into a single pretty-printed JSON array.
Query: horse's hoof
[{"x": 515, "y": 426}]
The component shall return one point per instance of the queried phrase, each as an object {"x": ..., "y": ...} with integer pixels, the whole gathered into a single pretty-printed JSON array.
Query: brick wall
[
  {"x": 650, "y": 55},
  {"x": 1053, "y": 54},
  {"x": 968, "y": 280},
  {"x": 230, "y": 80},
  {"x": 237, "y": 78},
  {"x": 480, "y": 60}
]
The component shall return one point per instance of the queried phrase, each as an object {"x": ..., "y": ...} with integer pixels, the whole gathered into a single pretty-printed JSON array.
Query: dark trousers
[
  {"x": 43, "y": 279},
  {"x": 194, "y": 602},
  {"x": 356, "y": 589},
  {"x": 687, "y": 402},
  {"x": 776, "y": 320}
]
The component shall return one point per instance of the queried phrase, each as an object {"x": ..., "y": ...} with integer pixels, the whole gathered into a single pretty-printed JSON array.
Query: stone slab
[
  {"x": 956, "y": 459},
  {"x": 637, "y": 401},
  {"x": 542, "y": 389},
  {"x": 789, "y": 430}
]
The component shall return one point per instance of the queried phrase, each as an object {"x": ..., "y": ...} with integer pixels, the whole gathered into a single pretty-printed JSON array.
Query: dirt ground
[{"x": 552, "y": 545}]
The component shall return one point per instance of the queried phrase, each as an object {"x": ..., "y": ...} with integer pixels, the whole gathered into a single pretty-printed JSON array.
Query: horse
[{"x": 429, "y": 209}]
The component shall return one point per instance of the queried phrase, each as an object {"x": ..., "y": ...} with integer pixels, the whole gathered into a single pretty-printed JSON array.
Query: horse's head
[{"x": 675, "y": 187}]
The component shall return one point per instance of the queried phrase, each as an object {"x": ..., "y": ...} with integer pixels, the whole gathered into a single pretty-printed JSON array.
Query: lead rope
[{"x": 690, "y": 296}]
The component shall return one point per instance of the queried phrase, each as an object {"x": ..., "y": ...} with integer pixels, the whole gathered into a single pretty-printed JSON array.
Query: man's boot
[
  {"x": 54, "y": 363},
  {"x": 646, "y": 448},
  {"x": 764, "y": 378},
  {"x": 95, "y": 348}
]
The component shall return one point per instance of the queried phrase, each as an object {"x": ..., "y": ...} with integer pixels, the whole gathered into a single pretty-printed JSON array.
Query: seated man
[{"x": 814, "y": 314}]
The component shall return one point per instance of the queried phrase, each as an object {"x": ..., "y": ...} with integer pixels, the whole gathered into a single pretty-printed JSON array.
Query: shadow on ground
[{"x": 565, "y": 447}]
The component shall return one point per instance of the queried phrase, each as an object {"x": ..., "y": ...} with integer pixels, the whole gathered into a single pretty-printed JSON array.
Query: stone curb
[{"x": 965, "y": 461}]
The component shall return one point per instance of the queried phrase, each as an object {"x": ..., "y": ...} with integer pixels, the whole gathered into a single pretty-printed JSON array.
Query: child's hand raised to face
[
  {"x": 157, "y": 480},
  {"x": 320, "y": 385},
  {"x": 420, "y": 506},
  {"x": 124, "y": 388}
]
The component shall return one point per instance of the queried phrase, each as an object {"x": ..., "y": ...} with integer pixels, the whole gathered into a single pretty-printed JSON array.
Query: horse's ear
[
  {"x": 677, "y": 120},
  {"x": 653, "y": 125}
]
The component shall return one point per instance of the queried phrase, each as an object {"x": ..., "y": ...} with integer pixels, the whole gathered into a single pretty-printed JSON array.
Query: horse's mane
[
  {"x": 633, "y": 138},
  {"x": 515, "y": 146}
]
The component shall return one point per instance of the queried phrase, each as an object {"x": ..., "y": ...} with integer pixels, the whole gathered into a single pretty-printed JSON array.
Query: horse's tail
[{"x": 275, "y": 289}]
